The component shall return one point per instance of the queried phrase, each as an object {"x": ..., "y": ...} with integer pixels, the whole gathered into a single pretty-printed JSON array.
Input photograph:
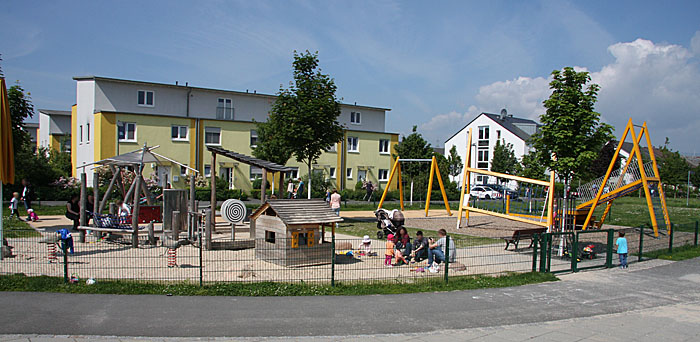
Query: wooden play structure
[
  {"x": 292, "y": 232},
  {"x": 396, "y": 171},
  {"x": 131, "y": 162},
  {"x": 545, "y": 216},
  {"x": 635, "y": 173}
]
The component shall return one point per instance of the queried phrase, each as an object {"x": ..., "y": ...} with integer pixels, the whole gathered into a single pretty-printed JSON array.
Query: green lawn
[
  {"x": 361, "y": 228},
  {"x": 55, "y": 284},
  {"x": 14, "y": 228},
  {"x": 679, "y": 253},
  {"x": 632, "y": 212},
  {"x": 40, "y": 210}
]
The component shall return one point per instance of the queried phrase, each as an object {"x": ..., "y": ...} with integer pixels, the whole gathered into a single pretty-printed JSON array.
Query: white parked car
[{"x": 484, "y": 192}]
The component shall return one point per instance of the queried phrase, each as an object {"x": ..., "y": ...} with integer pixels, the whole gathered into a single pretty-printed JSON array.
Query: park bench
[{"x": 523, "y": 234}]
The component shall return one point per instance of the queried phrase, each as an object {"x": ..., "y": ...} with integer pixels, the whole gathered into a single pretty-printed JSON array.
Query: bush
[{"x": 204, "y": 194}]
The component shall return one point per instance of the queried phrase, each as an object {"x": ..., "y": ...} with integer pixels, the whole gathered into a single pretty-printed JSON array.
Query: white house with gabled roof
[{"x": 487, "y": 129}]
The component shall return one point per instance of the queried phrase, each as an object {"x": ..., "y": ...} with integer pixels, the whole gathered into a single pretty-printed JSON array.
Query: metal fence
[{"x": 327, "y": 260}]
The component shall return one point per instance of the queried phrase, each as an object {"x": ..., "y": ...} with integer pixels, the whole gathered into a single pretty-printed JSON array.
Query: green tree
[
  {"x": 454, "y": 162},
  {"x": 673, "y": 169},
  {"x": 571, "y": 134},
  {"x": 21, "y": 108},
  {"x": 695, "y": 176},
  {"x": 530, "y": 167},
  {"x": 413, "y": 146},
  {"x": 304, "y": 117},
  {"x": 60, "y": 162},
  {"x": 504, "y": 160},
  {"x": 270, "y": 146}
]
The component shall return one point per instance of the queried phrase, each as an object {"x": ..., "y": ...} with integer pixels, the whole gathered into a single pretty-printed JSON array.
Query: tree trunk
[{"x": 309, "y": 185}]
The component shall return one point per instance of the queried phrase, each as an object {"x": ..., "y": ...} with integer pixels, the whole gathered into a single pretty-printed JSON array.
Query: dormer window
[
  {"x": 355, "y": 118},
  {"x": 145, "y": 98}
]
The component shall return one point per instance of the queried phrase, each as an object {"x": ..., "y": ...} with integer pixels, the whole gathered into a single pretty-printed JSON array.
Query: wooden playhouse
[{"x": 291, "y": 232}]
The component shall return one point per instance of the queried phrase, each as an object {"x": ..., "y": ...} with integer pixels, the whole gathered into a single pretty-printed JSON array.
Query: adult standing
[
  {"x": 73, "y": 211},
  {"x": 27, "y": 196},
  {"x": 403, "y": 243},
  {"x": 369, "y": 188},
  {"x": 290, "y": 189},
  {"x": 335, "y": 202},
  {"x": 300, "y": 189}
]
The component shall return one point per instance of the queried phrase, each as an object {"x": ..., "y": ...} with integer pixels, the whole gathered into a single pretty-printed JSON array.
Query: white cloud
[{"x": 656, "y": 83}]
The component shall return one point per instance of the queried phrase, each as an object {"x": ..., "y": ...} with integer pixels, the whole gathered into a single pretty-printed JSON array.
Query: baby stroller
[{"x": 388, "y": 222}]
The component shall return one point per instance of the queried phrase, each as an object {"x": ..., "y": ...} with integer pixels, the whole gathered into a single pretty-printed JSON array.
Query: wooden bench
[{"x": 523, "y": 234}]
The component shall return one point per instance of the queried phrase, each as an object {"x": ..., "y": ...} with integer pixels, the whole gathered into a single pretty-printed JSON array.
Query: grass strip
[
  {"x": 678, "y": 254},
  {"x": 20, "y": 282}
]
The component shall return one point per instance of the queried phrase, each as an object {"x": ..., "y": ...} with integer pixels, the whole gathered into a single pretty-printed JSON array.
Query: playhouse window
[
  {"x": 269, "y": 236},
  {"x": 303, "y": 239}
]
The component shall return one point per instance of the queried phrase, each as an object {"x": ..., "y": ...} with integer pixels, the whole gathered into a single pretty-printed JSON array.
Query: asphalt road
[{"x": 644, "y": 285}]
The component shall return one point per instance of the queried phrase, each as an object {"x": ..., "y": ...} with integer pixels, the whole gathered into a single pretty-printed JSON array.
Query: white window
[
  {"x": 383, "y": 146},
  {"x": 179, "y": 133},
  {"x": 224, "y": 109},
  {"x": 253, "y": 138},
  {"x": 348, "y": 173},
  {"x": 331, "y": 173},
  {"x": 483, "y": 135},
  {"x": 361, "y": 175},
  {"x": 126, "y": 131},
  {"x": 145, "y": 98},
  {"x": 81, "y": 134},
  {"x": 353, "y": 144},
  {"x": 183, "y": 170},
  {"x": 331, "y": 148},
  {"x": 207, "y": 170},
  {"x": 212, "y": 136},
  {"x": 255, "y": 172},
  {"x": 87, "y": 132},
  {"x": 383, "y": 174},
  {"x": 483, "y": 159},
  {"x": 293, "y": 174},
  {"x": 355, "y": 118}
]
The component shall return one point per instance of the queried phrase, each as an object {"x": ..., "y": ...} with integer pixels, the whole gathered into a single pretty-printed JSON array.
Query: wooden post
[
  {"x": 101, "y": 207},
  {"x": 131, "y": 189},
  {"x": 174, "y": 225},
  {"x": 113, "y": 208},
  {"x": 151, "y": 234},
  {"x": 144, "y": 188},
  {"x": 120, "y": 181},
  {"x": 135, "y": 213},
  {"x": 83, "y": 203},
  {"x": 95, "y": 194},
  {"x": 209, "y": 226},
  {"x": 263, "y": 185},
  {"x": 193, "y": 209},
  {"x": 212, "y": 185}
]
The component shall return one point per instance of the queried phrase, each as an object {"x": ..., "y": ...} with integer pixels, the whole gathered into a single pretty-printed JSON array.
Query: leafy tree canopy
[
  {"x": 572, "y": 134},
  {"x": 454, "y": 162},
  {"x": 673, "y": 168},
  {"x": 413, "y": 146},
  {"x": 504, "y": 160},
  {"x": 530, "y": 167}
]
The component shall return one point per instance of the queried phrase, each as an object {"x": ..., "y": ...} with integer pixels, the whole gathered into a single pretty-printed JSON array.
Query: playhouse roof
[
  {"x": 299, "y": 211},
  {"x": 263, "y": 164}
]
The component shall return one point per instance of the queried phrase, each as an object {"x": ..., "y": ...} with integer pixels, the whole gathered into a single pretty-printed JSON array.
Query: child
[
  {"x": 32, "y": 215},
  {"x": 365, "y": 246},
  {"x": 14, "y": 202},
  {"x": 622, "y": 249},
  {"x": 389, "y": 254},
  {"x": 66, "y": 239}
]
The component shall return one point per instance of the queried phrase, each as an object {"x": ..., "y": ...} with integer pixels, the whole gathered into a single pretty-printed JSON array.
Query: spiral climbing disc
[{"x": 233, "y": 211}]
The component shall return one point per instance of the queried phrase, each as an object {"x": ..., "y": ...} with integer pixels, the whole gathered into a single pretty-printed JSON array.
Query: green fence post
[
  {"x": 543, "y": 252},
  {"x": 670, "y": 239},
  {"x": 696, "y": 233},
  {"x": 201, "y": 256},
  {"x": 574, "y": 254},
  {"x": 333, "y": 260},
  {"x": 535, "y": 242},
  {"x": 549, "y": 254},
  {"x": 609, "y": 249},
  {"x": 641, "y": 243},
  {"x": 64, "y": 247},
  {"x": 447, "y": 258}
]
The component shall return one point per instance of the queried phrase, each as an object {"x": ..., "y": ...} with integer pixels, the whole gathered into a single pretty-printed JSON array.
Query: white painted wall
[
  {"x": 44, "y": 129},
  {"x": 85, "y": 100}
]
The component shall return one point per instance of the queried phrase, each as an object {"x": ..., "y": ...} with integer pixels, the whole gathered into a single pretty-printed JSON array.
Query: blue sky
[{"x": 436, "y": 64}]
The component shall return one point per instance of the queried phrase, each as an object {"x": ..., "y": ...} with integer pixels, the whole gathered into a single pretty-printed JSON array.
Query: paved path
[
  {"x": 647, "y": 285},
  {"x": 679, "y": 322}
]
